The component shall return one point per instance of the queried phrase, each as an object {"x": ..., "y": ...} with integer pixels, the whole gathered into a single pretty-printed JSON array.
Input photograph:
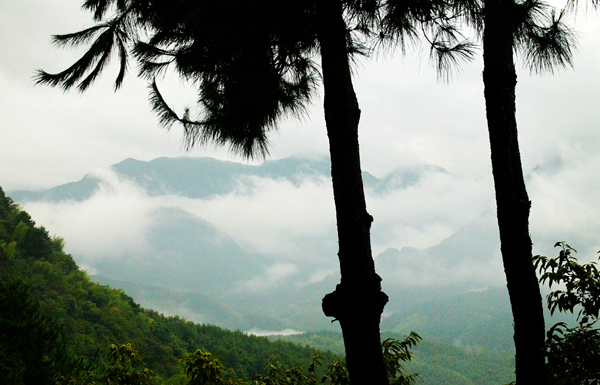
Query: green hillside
[
  {"x": 437, "y": 363},
  {"x": 92, "y": 316}
]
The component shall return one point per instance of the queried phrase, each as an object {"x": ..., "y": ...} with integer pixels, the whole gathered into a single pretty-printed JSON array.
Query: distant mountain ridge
[{"x": 204, "y": 177}]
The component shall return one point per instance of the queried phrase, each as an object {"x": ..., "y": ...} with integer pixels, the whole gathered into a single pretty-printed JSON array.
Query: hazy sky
[{"x": 409, "y": 118}]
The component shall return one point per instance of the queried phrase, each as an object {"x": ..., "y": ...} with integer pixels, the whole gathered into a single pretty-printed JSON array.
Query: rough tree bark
[
  {"x": 512, "y": 201},
  {"x": 357, "y": 302}
]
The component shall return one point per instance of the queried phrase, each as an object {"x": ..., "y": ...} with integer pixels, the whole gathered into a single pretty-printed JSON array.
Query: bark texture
[
  {"x": 512, "y": 201},
  {"x": 357, "y": 302}
]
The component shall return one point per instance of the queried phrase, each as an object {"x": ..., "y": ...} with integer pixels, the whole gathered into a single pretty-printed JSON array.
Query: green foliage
[
  {"x": 573, "y": 353},
  {"x": 30, "y": 343},
  {"x": 122, "y": 366},
  {"x": 582, "y": 284},
  {"x": 337, "y": 373},
  {"x": 10, "y": 249},
  {"x": 202, "y": 369},
  {"x": 436, "y": 363},
  {"x": 276, "y": 374},
  {"x": 394, "y": 354},
  {"x": 125, "y": 367},
  {"x": 76, "y": 371}
]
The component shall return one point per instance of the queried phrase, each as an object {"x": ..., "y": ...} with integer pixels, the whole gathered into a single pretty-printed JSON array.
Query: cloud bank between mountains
[{"x": 293, "y": 225}]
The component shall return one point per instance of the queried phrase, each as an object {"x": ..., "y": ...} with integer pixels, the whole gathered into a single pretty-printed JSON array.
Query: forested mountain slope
[{"x": 93, "y": 316}]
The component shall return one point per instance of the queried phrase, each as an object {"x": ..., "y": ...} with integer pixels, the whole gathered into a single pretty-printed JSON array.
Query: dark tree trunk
[
  {"x": 512, "y": 202},
  {"x": 357, "y": 302}
]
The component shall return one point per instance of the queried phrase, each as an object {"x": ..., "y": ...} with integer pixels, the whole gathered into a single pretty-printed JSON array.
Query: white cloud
[
  {"x": 276, "y": 218},
  {"x": 285, "y": 332},
  {"x": 424, "y": 214},
  {"x": 565, "y": 206},
  {"x": 274, "y": 276},
  {"x": 431, "y": 273},
  {"x": 109, "y": 224}
]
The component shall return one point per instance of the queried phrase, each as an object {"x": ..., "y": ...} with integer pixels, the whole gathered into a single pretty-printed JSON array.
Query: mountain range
[
  {"x": 206, "y": 177},
  {"x": 188, "y": 265}
]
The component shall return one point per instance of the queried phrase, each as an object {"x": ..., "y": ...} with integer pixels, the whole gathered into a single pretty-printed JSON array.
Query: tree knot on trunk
[{"x": 342, "y": 303}]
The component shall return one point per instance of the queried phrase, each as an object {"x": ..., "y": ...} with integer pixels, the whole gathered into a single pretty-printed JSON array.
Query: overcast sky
[{"x": 409, "y": 118}]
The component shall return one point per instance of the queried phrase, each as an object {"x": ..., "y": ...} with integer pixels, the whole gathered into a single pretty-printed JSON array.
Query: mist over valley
[{"x": 253, "y": 247}]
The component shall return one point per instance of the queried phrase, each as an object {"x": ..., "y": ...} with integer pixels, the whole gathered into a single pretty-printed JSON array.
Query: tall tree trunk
[
  {"x": 512, "y": 202},
  {"x": 357, "y": 302}
]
